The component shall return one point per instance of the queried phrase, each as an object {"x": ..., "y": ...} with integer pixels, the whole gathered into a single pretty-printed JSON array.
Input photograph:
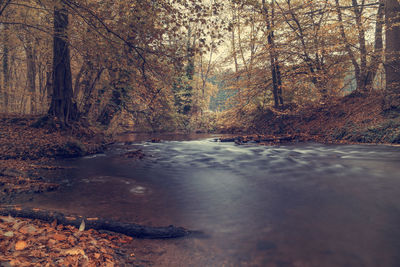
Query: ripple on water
[{"x": 139, "y": 190}]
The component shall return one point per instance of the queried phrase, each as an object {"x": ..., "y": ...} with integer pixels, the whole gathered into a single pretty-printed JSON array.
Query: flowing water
[{"x": 288, "y": 205}]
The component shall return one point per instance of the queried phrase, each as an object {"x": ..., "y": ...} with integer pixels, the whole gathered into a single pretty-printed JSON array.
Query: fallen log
[{"x": 129, "y": 229}]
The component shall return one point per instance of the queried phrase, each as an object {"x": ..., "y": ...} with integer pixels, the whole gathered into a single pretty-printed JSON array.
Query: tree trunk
[
  {"x": 377, "y": 56},
  {"x": 392, "y": 54},
  {"x": 89, "y": 86},
  {"x": 31, "y": 75},
  {"x": 6, "y": 76},
  {"x": 62, "y": 105},
  {"x": 357, "y": 10},
  {"x": 275, "y": 70},
  {"x": 356, "y": 66}
]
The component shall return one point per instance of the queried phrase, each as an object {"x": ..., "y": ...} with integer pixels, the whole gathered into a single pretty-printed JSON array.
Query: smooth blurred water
[{"x": 288, "y": 205}]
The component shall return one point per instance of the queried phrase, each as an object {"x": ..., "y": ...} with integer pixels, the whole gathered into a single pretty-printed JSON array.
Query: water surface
[{"x": 288, "y": 205}]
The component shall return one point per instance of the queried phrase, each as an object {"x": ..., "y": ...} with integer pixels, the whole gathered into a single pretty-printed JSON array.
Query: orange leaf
[
  {"x": 59, "y": 237},
  {"x": 20, "y": 245}
]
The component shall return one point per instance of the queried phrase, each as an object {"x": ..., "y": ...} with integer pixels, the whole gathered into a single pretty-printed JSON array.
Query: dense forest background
[{"x": 193, "y": 65}]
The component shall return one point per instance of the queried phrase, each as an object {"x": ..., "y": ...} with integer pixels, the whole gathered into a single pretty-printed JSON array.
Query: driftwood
[{"x": 130, "y": 229}]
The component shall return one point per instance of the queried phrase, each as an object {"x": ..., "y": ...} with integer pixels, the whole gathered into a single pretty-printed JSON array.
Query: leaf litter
[
  {"x": 36, "y": 243},
  {"x": 26, "y": 157}
]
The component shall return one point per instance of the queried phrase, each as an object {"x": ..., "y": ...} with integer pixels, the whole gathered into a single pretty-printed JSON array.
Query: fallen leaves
[
  {"x": 34, "y": 243},
  {"x": 82, "y": 226},
  {"x": 20, "y": 245},
  {"x": 74, "y": 251},
  {"x": 28, "y": 229},
  {"x": 59, "y": 237},
  {"x": 17, "y": 185},
  {"x": 22, "y": 141},
  {"x": 25, "y": 154}
]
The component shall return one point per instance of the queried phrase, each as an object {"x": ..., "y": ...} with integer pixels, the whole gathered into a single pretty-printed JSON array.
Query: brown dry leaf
[
  {"x": 8, "y": 219},
  {"x": 74, "y": 251},
  {"x": 9, "y": 234},
  {"x": 20, "y": 245},
  {"x": 15, "y": 262},
  {"x": 17, "y": 225},
  {"x": 109, "y": 263},
  {"x": 124, "y": 240},
  {"x": 38, "y": 253},
  {"x": 72, "y": 239},
  {"x": 59, "y": 237},
  {"x": 113, "y": 245},
  {"x": 28, "y": 229},
  {"x": 82, "y": 226}
]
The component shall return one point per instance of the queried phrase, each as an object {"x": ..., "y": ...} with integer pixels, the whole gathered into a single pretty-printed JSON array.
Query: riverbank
[
  {"x": 350, "y": 119},
  {"x": 27, "y": 154},
  {"x": 27, "y": 167}
]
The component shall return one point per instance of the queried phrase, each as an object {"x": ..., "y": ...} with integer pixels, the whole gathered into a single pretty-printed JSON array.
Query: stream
[{"x": 295, "y": 205}]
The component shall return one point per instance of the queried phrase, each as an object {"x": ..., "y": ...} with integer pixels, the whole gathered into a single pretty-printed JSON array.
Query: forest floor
[
  {"x": 350, "y": 119},
  {"x": 27, "y": 157}
]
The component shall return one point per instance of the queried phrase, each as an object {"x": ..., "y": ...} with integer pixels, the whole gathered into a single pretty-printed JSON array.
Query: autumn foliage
[
  {"x": 35, "y": 243},
  {"x": 171, "y": 66}
]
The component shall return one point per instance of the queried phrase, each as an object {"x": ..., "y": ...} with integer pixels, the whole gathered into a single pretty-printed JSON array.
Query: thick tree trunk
[
  {"x": 62, "y": 106},
  {"x": 392, "y": 54}
]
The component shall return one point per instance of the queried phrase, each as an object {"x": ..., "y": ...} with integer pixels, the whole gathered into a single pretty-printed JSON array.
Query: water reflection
[{"x": 292, "y": 205}]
